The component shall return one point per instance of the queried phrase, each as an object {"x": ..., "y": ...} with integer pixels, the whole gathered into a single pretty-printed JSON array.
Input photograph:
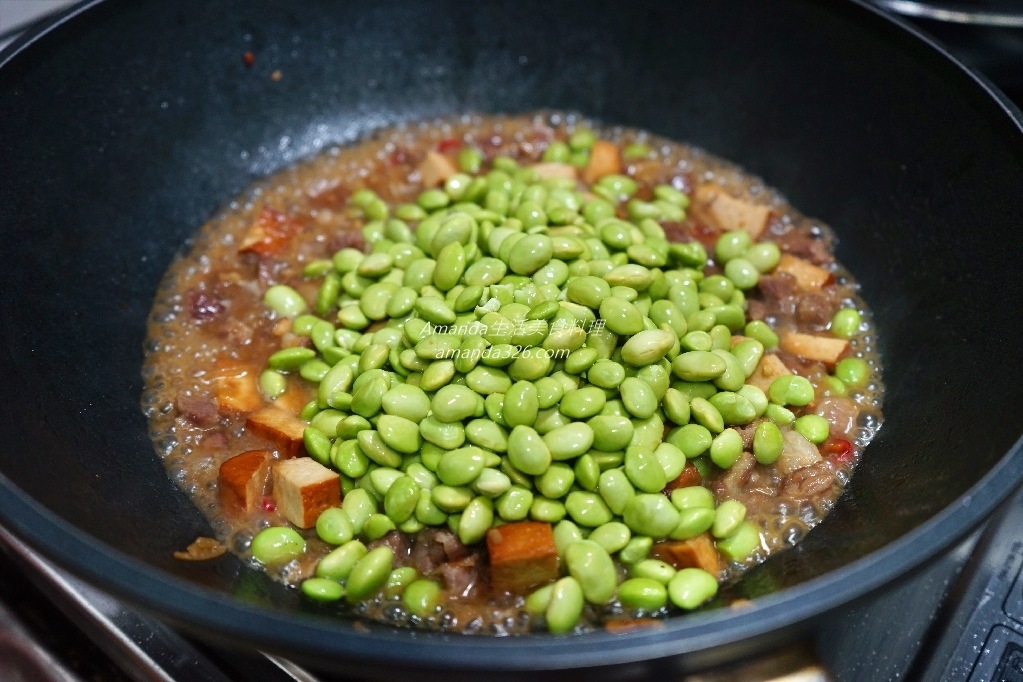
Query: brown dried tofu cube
[
  {"x": 826, "y": 349},
  {"x": 553, "y": 169},
  {"x": 283, "y": 429},
  {"x": 770, "y": 368},
  {"x": 236, "y": 388},
  {"x": 714, "y": 206},
  {"x": 806, "y": 274},
  {"x": 698, "y": 552},
  {"x": 293, "y": 399},
  {"x": 436, "y": 169},
  {"x": 604, "y": 160},
  {"x": 303, "y": 488},
  {"x": 242, "y": 479},
  {"x": 690, "y": 476},
  {"x": 522, "y": 556}
]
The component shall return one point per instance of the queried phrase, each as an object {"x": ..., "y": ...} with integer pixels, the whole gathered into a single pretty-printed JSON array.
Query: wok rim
[{"x": 228, "y": 619}]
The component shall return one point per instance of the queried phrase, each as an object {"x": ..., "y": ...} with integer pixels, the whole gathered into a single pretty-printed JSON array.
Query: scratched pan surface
[{"x": 126, "y": 124}]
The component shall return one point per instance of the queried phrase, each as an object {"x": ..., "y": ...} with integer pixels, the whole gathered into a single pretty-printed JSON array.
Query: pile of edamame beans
[{"x": 513, "y": 347}]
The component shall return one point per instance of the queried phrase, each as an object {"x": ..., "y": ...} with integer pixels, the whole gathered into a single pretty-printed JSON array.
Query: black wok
[{"x": 126, "y": 124}]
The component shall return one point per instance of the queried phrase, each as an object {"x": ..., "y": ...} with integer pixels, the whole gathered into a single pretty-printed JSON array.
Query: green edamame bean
[
  {"x": 593, "y": 568},
  {"x": 644, "y": 470},
  {"x": 734, "y": 408},
  {"x": 369, "y": 574},
  {"x": 587, "y": 509},
  {"x": 556, "y": 481},
  {"x": 741, "y": 543},
  {"x": 636, "y": 550},
  {"x": 612, "y": 536},
  {"x": 546, "y": 510},
  {"x": 615, "y": 489},
  {"x": 671, "y": 459},
  {"x": 693, "y": 522},
  {"x": 606, "y": 374},
  {"x": 587, "y": 472},
  {"x": 749, "y": 353},
  {"x": 692, "y": 497},
  {"x": 399, "y": 433},
  {"x": 338, "y": 563},
  {"x": 565, "y": 606},
  {"x": 359, "y": 505},
  {"x": 726, "y": 448},
  {"x": 568, "y": 441},
  {"x": 277, "y": 545},
  {"x": 691, "y": 587},
  {"x": 781, "y": 416},
  {"x": 373, "y": 446},
  {"x": 767, "y": 443},
  {"x": 461, "y": 467},
  {"x": 653, "y": 569},
  {"x": 729, "y": 516},
  {"x": 285, "y": 301},
  {"x": 812, "y": 427},
  {"x": 317, "y": 445},
  {"x": 621, "y": 316},
  {"x": 334, "y": 527},
  {"x": 476, "y": 518},
  {"x": 454, "y": 403},
  {"x": 322, "y": 589},
  {"x": 647, "y": 347},
  {"x": 611, "y": 432},
  {"x": 791, "y": 389},
  {"x": 650, "y": 514},
  {"x": 444, "y": 435},
  {"x": 408, "y": 402},
  {"x": 401, "y": 499},
  {"x": 704, "y": 413},
  {"x": 697, "y": 365},
  {"x": 852, "y": 372},
  {"x": 582, "y": 403},
  {"x": 514, "y": 504},
  {"x": 422, "y": 597},
  {"x": 644, "y": 594},
  {"x": 521, "y": 404},
  {"x": 377, "y": 526},
  {"x": 846, "y": 323},
  {"x": 638, "y": 398},
  {"x": 527, "y": 451}
]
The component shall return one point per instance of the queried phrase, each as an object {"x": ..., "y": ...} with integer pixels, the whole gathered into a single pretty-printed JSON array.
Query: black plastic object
[{"x": 128, "y": 124}]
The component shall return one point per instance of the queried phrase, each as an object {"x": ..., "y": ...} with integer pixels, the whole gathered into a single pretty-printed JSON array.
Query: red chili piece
[{"x": 248, "y": 59}]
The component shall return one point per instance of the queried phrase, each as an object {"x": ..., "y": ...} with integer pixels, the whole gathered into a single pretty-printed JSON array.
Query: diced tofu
[
  {"x": 698, "y": 552},
  {"x": 552, "y": 169},
  {"x": 826, "y": 349},
  {"x": 690, "y": 476},
  {"x": 806, "y": 274},
  {"x": 236, "y": 388},
  {"x": 283, "y": 429},
  {"x": 770, "y": 368},
  {"x": 303, "y": 488},
  {"x": 293, "y": 399},
  {"x": 718, "y": 209},
  {"x": 522, "y": 556},
  {"x": 242, "y": 479},
  {"x": 269, "y": 232},
  {"x": 604, "y": 160},
  {"x": 436, "y": 169}
]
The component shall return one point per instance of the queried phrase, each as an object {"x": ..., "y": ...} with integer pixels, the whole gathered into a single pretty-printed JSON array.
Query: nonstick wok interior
[{"x": 128, "y": 126}]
